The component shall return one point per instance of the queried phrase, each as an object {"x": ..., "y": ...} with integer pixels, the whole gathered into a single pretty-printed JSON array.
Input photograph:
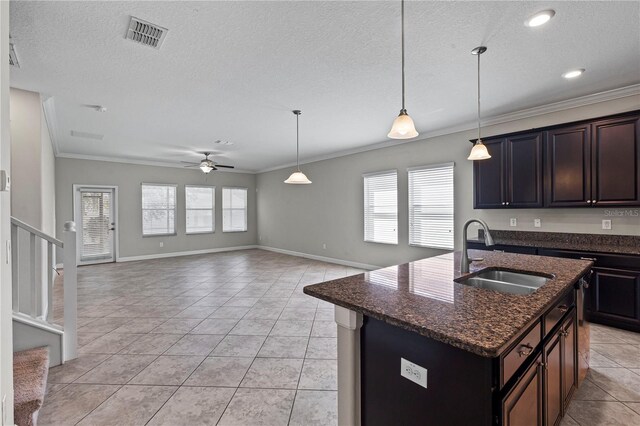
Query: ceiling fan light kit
[
  {"x": 403, "y": 127},
  {"x": 479, "y": 150},
  {"x": 207, "y": 165},
  {"x": 297, "y": 177}
]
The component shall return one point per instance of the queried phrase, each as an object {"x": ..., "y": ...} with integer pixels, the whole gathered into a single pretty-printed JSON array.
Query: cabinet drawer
[
  {"x": 554, "y": 316},
  {"x": 517, "y": 355}
]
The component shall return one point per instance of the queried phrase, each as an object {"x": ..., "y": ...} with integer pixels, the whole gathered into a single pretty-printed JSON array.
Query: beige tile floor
[
  {"x": 230, "y": 339},
  {"x": 226, "y": 339}
]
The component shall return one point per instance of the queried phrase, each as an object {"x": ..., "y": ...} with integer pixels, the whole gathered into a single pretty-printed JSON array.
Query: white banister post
[
  {"x": 349, "y": 324},
  {"x": 70, "y": 280}
]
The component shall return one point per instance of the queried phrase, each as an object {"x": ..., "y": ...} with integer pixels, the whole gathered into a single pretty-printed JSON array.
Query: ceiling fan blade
[
  {"x": 193, "y": 165},
  {"x": 189, "y": 162},
  {"x": 226, "y": 167}
]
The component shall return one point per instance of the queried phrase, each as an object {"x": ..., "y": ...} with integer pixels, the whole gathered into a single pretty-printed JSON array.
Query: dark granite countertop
[
  {"x": 423, "y": 297},
  {"x": 595, "y": 243}
]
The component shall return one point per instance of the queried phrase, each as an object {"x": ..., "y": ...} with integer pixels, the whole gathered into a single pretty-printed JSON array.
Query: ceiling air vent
[
  {"x": 13, "y": 57},
  {"x": 86, "y": 135},
  {"x": 146, "y": 33}
]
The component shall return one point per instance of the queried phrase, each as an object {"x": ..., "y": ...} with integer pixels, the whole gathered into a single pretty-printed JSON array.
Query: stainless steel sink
[{"x": 506, "y": 281}]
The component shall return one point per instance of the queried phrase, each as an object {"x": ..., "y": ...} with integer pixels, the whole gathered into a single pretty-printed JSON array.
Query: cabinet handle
[
  {"x": 507, "y": 203},
  {"x": 595, "y": 201},
  {"x": 503, "y": 203},
  {"x": 593, "y": 259},
  {"x": 525, "y": 350},
  {"x": 588, "y": 201}
]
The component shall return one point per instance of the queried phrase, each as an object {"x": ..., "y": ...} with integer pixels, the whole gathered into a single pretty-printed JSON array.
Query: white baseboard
[
  {"x": 321, "y": 258},
  {"x": 183, "y": 253}
]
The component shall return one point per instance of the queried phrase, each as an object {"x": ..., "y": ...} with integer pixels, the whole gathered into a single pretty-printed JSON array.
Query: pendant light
[
  {"x": 479, "y": 150},
  {"x": 403, "y": 127},
  {"x": 297, "y": 177}
]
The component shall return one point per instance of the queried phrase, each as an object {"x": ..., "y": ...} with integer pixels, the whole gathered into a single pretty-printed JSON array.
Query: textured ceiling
[{"x": 234, "y": 70}]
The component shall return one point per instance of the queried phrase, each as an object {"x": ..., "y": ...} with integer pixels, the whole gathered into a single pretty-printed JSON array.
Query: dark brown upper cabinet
[
  {"x": 512, "y": 177},
  {"x": 568, "y": 166},
  {"x": 582, "y": 164},
  {"x": 489, "y": 177},
  {"x": 615, "y": 162}
]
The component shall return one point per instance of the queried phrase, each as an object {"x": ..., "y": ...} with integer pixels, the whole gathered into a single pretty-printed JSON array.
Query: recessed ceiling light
[
  {"x": 540, "y": 18},
  {"x": 573, "y": 73}
]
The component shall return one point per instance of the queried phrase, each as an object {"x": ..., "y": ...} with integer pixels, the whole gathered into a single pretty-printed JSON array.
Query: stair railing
[{"x": 28, "y": 264}]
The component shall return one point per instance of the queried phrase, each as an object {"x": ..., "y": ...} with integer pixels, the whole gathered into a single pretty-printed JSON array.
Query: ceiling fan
[{"x": 206, "y": 164}]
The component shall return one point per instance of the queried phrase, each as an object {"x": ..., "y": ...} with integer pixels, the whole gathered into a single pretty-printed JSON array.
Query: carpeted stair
[{"x": 30, "y": 369}]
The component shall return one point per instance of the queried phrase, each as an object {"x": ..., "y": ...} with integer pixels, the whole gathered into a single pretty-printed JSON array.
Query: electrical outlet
[
  {"x": 324, "y": 246},
  {"x": 413, "y": 372},
  {"x": 537, "y": 223},
  {"x": 606, "y": 223},
  {"x": 513, "y": 221},
  {"x": 161, "y": 244}
]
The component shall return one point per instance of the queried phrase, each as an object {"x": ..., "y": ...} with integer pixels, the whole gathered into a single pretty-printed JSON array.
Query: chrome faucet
[{"x": 465, "y": 261}]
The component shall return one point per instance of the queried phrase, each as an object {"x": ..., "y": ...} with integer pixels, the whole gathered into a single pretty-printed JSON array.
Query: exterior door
[{"x": 95, "y": 219}]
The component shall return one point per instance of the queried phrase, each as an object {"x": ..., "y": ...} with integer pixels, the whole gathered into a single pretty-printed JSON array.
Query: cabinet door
[
  {"x": 553, "y": 396},
  {"x": 568, "y": 167},
  {"x": 524, "y": 170},
  {"x": 614, "y": 298},
  {"x": 523, "y": 405},
  {"x": 569, "y": 358},
  {"x": 489, "y": 177},
  {"x": 615, "y": 153}
]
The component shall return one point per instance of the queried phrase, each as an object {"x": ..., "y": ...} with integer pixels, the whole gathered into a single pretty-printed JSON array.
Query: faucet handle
[{"x": 476, "y": 259}]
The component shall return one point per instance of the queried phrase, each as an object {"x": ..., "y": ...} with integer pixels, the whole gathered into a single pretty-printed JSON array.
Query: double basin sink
[{"x": 506, "y": 281}]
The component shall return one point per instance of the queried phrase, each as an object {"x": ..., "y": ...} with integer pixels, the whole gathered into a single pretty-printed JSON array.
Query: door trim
[{"x": 116, "y": 236}]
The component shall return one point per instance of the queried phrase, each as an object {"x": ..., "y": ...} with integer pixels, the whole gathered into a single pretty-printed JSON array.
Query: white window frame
[
  {"x": 246, "y": 209},
  {"x": 410, "y": 209},
  {"x": 365, "y": 205},
  {"x": 213, "y": 209},
  {"x": 175, "y": 209}
]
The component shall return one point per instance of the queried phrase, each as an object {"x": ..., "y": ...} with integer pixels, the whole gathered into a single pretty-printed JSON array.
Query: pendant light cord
[
  {"x": 402, "y": 32},
  {"x": 479, "y": 140},
  {"x": 298, "y": 141}
]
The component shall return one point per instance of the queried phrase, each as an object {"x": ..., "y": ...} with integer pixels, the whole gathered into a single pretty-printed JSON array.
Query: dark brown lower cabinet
[
  {"x": 560, "y": 373},
  {"x": 523, "y": 405},
  {"x": 614, "y": 297},
  {"x": 553, "y": 399}
]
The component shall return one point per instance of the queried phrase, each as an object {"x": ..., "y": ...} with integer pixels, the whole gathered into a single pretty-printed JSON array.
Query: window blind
[
  {"x": 199, "y": 206},
  {"x": 97, "y": 239},
  {"x": 431, "y": 206},
  {"x": 234, "y": 209},
  {"x": 158, "y": 209},
  {"x": 381, "y": 207}
]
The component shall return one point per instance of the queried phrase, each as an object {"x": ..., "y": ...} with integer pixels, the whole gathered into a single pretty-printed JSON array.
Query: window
[
  {"x": 199, "y": 205},
  {"x": 158, "y": 209},
  {"x": 381, "y": 207},
  {"x": 234, "y": 209},
  {"x": 431, "y": 206}
]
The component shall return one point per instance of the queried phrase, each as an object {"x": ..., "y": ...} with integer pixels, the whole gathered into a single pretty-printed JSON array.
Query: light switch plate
[
  {"x": 413, "y": 372},
  {"x": 606, "y": 223},
  {"x": 513, "y": 221},
  {"x": 537, "y": 223}
]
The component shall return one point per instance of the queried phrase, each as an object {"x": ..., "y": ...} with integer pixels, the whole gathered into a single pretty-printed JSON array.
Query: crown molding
[
  {"x": 139, "y": 162},
  {"x": 49, "y": 110},
  {"x": 609, "y": 95}
]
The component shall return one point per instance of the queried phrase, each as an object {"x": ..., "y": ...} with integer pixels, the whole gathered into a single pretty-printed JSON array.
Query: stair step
[{"x": 30, "y": 369}]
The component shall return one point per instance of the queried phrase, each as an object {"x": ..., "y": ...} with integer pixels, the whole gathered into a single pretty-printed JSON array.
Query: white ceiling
[{"x": 235, "y": 70}]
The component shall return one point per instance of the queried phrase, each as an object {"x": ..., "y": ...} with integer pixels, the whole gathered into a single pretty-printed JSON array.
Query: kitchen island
[{"x": 417, "y": 346}]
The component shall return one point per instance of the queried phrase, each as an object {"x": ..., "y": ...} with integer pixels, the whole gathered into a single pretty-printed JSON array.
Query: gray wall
[
  {"x": 128, "y": 178},
  {"x": 330, "y": 211}
]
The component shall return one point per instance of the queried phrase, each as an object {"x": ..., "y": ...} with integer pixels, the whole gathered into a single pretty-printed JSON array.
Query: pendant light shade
[
  {"x": 479, "y": 150},
  {"x": 297, "y": 177},
  {"x": 205, "y": 168},
  {"x": 403, "y": 127}
]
